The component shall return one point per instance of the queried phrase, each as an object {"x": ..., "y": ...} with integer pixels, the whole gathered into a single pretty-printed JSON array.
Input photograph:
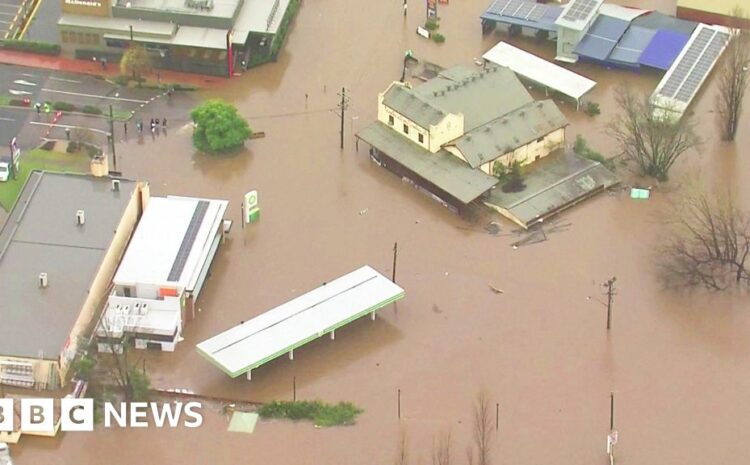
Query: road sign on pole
[{"x": 251, "y": 210}]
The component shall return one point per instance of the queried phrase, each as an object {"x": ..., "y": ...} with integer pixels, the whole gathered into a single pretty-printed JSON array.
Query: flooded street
[{"x": 677, "y": 363}]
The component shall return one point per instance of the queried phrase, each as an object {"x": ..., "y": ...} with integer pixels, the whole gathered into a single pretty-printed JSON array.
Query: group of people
[{"x": 155, "y": 123}]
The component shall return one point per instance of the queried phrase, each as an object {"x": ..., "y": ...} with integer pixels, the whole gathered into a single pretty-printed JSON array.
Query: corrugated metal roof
[
  {"x": 629, "y": 49},
  {"x": 441, "y": 169},
  {"x": 658, "y": 21},
  {"x": 553, "y": 183},
  {"x": 663, "y": 49},
  {"x": 404, "y": 101},
  {"x": 118, "y": 25},
  {"x": 256, "y": 16},
  {"x": 523, "y": 13},
  {"x": 601, "y": 38},
  {"x": 505, "y": 134}
]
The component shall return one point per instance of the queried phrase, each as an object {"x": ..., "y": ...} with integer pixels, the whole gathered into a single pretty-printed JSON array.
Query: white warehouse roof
[
  {"x": 539, "y": 70},
  {"x": 171, "y": 242}
]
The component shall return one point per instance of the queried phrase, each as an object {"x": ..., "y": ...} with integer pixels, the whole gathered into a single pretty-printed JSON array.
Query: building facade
[{"x": 199, "y": 36}]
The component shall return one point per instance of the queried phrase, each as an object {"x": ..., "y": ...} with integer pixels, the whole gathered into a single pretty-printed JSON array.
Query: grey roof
[
  {"x": 553, "y": 183},
  {"x": 517, "y": 128},
  {"x": 441, "y": 169},
  {"x": 140, "y": 28},
  {"x": 601, "y": 38},
  {"x": 656, "y": 21},
  {"x": 480, "y": 95},
  {"x": 219, "y": 8},
  {"x": 258, "y": 16},
  {"x": 41, "y": 236},
  {"x": 523, "y": 13}
]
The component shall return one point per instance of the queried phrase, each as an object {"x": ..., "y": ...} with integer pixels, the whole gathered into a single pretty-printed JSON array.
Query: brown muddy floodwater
[{"x": 677, "y": 363}]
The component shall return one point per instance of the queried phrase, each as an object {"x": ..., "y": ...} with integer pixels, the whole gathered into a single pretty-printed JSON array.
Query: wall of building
[
  {"x": 86, "y": 7},
  {"x": 98, "y": 291},
  {"x": 46, "y": 372},
  {"x": 530, "y": 152},
  {"x": 433, "y": 138},
  {"x": 712, "y": 18},
  {"x": 567, "y": 39}
]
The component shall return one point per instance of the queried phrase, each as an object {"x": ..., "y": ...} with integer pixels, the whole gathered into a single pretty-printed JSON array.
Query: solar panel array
[
  {"x": 580, "y": 9},
  {"x": 188, "y": 240},
  {"x": 521, "y": 9},
  {"x": 695, "y": 64}
]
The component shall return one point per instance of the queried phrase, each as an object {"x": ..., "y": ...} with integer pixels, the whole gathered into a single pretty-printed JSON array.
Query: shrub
[
  {"x": 592, "y": 109},
  {"x": 438, "y": 37},
  {"x": 343, "y": 413},
  {"x": 121, "y": 80},
  {"x": 91, "y": 110},
  {"x": 64, "y": 106},
  {"x": 431, "y": 25},
  {"x": 218, "y": 127},
  {"x": 513, "y": 178},
  {"x": 581, "y": 147},
  {"x": 73, "y": 147},
  {"x": 42, "y": 48}
]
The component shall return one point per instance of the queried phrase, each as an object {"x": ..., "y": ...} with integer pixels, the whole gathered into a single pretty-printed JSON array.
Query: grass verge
[
  {"x": 322, "y": 414},
  {"x": 38, "y": 159}
]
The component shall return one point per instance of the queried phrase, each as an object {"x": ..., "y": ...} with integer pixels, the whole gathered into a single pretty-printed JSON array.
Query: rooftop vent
[
  {"x": 43, "y": 280},
  {"x": 80, "y": 217},
  {"x": 116, "y": 185}
]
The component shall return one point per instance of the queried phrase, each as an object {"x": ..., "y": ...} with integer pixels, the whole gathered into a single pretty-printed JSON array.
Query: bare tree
[
  {"x": 482, "y": 428},
  {"x": 733, "y": 78},
  {"x": 402, "y": 451},
  {"x": 441, "y": 448},
  {"x": 708, "y": 243},
  {"x": 654, "y": 143}
]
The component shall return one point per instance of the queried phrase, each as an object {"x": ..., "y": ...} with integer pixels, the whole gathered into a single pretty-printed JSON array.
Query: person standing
[
  {"x": 164, "y": 123},
  {"x": 405, "y": 6}
]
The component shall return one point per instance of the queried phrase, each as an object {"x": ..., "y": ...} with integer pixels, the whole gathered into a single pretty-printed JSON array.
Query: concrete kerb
[{"x": 74, "y": 113}]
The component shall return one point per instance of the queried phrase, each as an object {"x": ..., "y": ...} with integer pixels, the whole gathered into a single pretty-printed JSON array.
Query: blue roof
[
  {"x": 523, "y": 13},
  {"x": 629, "y": 49},
  {"x": 663, "y": 49},
  {"x": 601, "y": 38},
  {"x": 658, "y": 21}
]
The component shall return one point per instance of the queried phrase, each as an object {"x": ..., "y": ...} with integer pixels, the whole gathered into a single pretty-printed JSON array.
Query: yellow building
[
  {"x": 452, "y": 133},
  {"x": 714, "y": 12},
  {"x": 59, "y": 248}
]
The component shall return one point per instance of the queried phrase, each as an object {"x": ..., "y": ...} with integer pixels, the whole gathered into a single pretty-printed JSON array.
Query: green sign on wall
[{"x": 252, "y": 210}]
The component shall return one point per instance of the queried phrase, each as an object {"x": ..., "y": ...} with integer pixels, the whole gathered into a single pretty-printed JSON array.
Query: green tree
[
  {"x": 135, "y": 62},
  {"x": 218, "y": 127}
]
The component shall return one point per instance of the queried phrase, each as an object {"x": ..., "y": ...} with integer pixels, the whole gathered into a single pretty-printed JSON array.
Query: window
[
  {"x": 391, "y": 121},
  {"x": 406, "y": 129},
  {"x": 421, "y": 139},
  {"x": 64, "y": 36}
]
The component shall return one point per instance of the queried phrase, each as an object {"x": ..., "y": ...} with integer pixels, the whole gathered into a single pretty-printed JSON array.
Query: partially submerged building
[
  {"x": 196, "y": 36},
  {"x": 720, "y": 12},
  {"x": 162, "y": 272},
  {"x": 452, "y": 133},
  {"x": 59, "y": 249}
]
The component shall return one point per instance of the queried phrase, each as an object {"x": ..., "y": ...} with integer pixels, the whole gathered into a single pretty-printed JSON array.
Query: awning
[{"x": 539, "y": 70}]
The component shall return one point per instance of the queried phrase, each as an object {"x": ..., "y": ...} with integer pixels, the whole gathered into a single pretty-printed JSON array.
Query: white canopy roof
[
  {"x": 539, "y": 70},
  {"x": 299, "y": 321}
]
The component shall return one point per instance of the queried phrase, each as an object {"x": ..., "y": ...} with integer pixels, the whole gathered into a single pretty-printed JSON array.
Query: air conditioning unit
[
  {"x": 43, "y": 280},
  {"x": 80, "y": 217}
]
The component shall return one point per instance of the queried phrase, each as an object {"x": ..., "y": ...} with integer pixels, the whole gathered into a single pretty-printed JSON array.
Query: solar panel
[
  {"x": 580, "y": 10},
  {"x": 498, "y": 6},
  {"x": 523, "y": 10},
  {"x": 695, "y": 64},
  {"x": 187, "y": 241},
  {"x": 536, "y": 13}
]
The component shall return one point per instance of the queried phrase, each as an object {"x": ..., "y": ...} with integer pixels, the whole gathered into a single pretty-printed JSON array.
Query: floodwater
[{"x": 677, "y": 362}]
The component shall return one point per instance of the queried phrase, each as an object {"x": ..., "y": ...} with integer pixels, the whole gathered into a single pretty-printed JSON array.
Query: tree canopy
[
  {"x": 135, "y": 61},
  {"x": 218, "y": 127}
]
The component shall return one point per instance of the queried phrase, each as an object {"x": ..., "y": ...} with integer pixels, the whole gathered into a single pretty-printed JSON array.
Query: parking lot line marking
[
  {"x": 39, "y": 123},
  {"x": 64, "y": 80},
  {"x": 94, "y": 96},
  {"x": 2, "y": 118}
]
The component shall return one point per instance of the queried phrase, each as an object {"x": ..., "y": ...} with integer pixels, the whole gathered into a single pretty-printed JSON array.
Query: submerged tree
[
  {"x": 708, "y": 243},
  {"x": 442, "y": 448},
  {"x": 218, "y": 127},
  {"x": 482, "y": 428},
  {"x": 733, "y": 79},
  {"x": 653, "y": 143},
  {"x": 135, "y": 62}
]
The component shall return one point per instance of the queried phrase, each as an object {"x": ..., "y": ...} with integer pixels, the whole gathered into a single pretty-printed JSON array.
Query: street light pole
[
  {"x": 610, "y": 286},
  {"x": 112, "y": 137}
]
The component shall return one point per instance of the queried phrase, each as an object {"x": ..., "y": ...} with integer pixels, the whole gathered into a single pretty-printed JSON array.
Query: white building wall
[{"x": 530, "y": 152}]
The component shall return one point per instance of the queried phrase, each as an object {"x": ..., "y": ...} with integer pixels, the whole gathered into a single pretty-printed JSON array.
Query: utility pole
[
  {"x": 611, "y": 411},
  {"x": 610, "y": 287},
  {"x": 342, "y": 109},
  {"x": 395, "y": 254},
  {"x": 112, "y": 137}
]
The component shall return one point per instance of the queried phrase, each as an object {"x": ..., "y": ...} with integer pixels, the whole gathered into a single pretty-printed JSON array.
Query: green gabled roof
[
  {"x": 406, "y": 102},
  {"x": 513, "y": 130},
  {"x": 441, "y": 169}
]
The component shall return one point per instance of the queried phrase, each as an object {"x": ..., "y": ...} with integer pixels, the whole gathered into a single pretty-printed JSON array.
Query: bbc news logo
[{"x": 38, "y": 415}]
